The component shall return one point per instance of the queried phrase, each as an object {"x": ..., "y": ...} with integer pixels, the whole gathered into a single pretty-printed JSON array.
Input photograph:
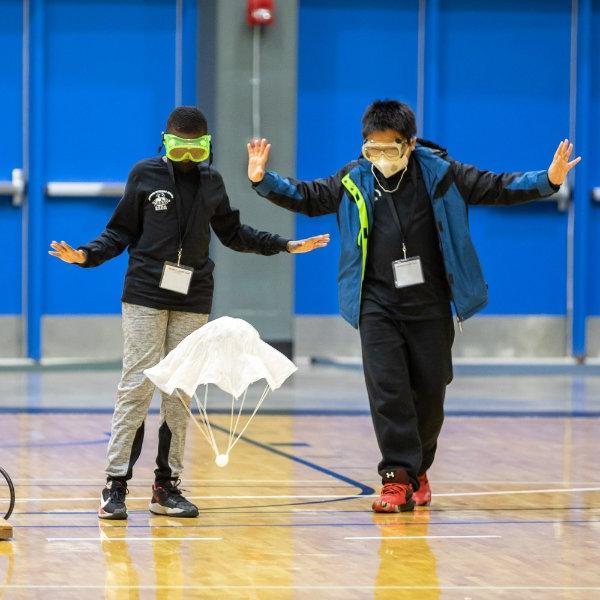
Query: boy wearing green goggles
[{"x": 179, "y": 149}]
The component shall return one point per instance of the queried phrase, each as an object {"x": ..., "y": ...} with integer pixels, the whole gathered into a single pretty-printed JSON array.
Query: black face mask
[{"x": 184, "y": 166}]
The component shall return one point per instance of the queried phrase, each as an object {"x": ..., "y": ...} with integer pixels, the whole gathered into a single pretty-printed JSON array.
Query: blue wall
[
  {"x": 102, "y": 80},
  {"x": 594, "y": 164},
  {"x": 500, "y": 74},
  {"x": 11, "y": 107}
]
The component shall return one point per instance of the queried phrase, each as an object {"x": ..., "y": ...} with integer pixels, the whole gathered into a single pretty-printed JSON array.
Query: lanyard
[
  {"x": 394, "y": 210},
  {"x": 190, "y": 218}
]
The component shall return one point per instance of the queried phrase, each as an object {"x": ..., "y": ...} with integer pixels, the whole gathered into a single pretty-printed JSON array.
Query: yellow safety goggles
[{"x": 194, "y": 149}]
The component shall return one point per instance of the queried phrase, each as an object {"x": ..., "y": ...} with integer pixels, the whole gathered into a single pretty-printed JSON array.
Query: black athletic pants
[{"x": 407, "y": 366}]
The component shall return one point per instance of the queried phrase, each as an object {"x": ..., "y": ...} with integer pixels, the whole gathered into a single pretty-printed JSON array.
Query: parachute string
[
  {"x": 262, "y": 399},
  {"x": 230, "y": 423},
  {"x": 210, "y": 429},
  {"x": 202, "y": 431},
  {"x": 233, "y": 429},
  {"x": 205, "y": 420}
]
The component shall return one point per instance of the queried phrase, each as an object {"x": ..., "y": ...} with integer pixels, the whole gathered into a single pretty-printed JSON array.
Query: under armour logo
[{"x": 390, "y": 475}]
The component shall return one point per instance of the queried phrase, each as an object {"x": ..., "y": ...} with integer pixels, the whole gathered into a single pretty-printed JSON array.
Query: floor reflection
[
  {"x": 405, "y": 558},
  {"x": 7, "y": 564},
  {"x": 122, "y": 579}
]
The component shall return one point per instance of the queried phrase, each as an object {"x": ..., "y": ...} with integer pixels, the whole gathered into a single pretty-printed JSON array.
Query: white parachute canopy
[{"x": 228, "y": 353}]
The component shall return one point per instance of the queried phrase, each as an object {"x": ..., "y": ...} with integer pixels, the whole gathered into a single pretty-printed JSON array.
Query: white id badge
[
  {"x": 176, "y": 278},
  {"x": 407, "y": 272}
]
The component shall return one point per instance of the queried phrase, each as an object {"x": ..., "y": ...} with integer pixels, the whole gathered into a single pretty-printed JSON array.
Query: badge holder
[
  {"x": 407, "y": 271},
  {"x": 176, "y": 277}
]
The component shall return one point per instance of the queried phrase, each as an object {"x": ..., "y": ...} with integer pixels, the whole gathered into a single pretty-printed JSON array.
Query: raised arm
[
  {"x": 485, "y": 187},
  {"x": 124, "y": 227},
  {"x": 243, "y": 238},
  {"x": 312, "y": 198}
]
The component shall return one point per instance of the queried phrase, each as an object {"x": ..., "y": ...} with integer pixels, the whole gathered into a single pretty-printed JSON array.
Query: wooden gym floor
[{"x": 516, "y": 510}]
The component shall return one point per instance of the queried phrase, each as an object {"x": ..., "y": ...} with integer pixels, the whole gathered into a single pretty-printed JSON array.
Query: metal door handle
[
  {"x": 562, "y": 197},
  {"x": 85, "y": 189},
  {"x": 15, "y": 187}
]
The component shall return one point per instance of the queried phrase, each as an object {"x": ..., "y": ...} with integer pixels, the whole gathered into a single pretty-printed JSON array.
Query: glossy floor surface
[{"x": 516, "y": 509}]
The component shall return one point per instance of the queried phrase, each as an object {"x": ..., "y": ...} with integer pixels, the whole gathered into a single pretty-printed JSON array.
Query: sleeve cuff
[
  {"x": 554, "y": 187},
  {"x": 266, "y": 185},
  {"x": 282, "y": 244},
  {"x": 544, "y": 187},
  {"x": 87, "y": 257}
]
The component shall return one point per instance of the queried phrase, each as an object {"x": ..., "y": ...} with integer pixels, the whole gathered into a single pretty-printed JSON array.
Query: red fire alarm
[{"x": 260, "y": 12}]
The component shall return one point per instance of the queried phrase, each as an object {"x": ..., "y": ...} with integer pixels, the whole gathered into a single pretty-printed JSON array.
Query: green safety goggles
[{"x": 194, "y": 149}]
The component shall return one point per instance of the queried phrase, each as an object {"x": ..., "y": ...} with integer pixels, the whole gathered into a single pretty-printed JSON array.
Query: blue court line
[
  {"x": 486, "y": 369},
  {"x": 291, "y": 444},
  {"x": 309, "y": 412},
  {"x": 56, "y": 444},
  {"x": 365, "y": 490}
]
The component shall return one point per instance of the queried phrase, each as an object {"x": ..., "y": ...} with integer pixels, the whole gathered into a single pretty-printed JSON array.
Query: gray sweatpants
[{"x": 148, "y": 335}]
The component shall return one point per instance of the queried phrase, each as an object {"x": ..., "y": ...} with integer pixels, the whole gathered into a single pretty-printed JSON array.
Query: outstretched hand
[
  {"x": 66, "y": 253},
  {"x": 308, "y": 245},
  {"x": 560, "y": 166},
  {"x": 258, "y": 157}
]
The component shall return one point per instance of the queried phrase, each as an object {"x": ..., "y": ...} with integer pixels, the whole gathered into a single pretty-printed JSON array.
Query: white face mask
[{"x": 389, "y": 159}]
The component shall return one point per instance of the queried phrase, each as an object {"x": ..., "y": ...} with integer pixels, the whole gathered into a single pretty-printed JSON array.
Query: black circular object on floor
[{"x": 11, "y": 488}]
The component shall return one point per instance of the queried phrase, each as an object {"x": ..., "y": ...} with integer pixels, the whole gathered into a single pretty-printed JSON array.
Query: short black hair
[
  {"x": 389, "y": 114},
  {"x": 187, "y": 119}
]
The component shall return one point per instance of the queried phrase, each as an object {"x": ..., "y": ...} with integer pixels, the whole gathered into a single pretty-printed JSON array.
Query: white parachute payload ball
[{"x": 222, "y": 460}]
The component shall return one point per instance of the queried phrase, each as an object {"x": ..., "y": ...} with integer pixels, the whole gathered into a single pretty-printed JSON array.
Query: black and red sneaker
[
  {"x": 422, "y": 496},
  {"x": 395, "y": 498},
  {"x": 167, "y": 499},
  {"x": 112, "y": 501}
]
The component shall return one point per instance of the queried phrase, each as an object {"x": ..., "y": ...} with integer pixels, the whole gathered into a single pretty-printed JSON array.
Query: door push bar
[
  {"x": 85, "y": 189},
  {"x": 15, "y": 187}
]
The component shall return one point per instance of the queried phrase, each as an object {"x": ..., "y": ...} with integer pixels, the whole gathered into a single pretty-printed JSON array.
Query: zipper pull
[
  {"x": 179, "y": 253},
  {"x": 459, "y": 323},
  {"x": 404, "y": 249}
]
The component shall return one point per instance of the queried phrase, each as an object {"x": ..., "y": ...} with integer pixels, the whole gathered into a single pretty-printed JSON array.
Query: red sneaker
[
  {"x": 422, "y": 496},
  {"x": 395, "y": 497}
]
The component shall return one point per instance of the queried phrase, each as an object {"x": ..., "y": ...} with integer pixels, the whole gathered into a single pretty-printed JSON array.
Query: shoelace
[
  {"x": 118, "y": 492},
  {"x": 172, "y": 487},
  {"x": 395, "y": 488}
]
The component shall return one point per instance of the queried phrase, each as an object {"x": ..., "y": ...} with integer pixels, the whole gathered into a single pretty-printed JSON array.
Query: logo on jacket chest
[{"x": 160, "y": 199}]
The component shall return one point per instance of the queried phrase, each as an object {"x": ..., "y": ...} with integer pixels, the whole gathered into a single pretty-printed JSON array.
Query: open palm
[
  {"x": 309, "y": 244},
  {"x": 67, "y": 253},
  {"x": 258, "y": 157},
  {"x": 560, "y": 166}
]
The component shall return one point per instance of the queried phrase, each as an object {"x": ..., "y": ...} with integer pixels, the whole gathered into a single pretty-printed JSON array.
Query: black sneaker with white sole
[
  {"x": 167, "y": 499},
  {"x": 112, "y": 501}
]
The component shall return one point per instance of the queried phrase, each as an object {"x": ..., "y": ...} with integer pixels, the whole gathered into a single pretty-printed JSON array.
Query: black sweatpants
[{"x": 407, "y": 366}]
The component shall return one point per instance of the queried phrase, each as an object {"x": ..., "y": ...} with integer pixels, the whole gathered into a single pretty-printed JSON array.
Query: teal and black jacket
[{"x": 451, "y": 187}]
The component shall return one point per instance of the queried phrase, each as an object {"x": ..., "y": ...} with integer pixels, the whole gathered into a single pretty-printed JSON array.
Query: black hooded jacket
[{"x": 148, "y": 221}]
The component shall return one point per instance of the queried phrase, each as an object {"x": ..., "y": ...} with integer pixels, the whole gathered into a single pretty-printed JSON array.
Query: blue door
[{"x": 88, "y": 100}]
